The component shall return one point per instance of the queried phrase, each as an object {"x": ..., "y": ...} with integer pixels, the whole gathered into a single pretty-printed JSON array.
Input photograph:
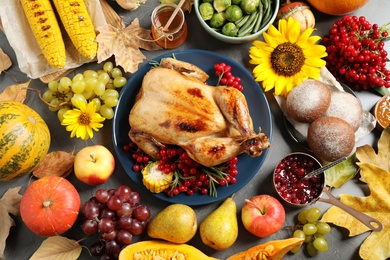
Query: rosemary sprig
[{"x": 215, "y": 174}]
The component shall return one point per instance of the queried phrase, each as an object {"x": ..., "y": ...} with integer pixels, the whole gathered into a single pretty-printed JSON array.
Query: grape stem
[
  {"x": 294, "y": 227},
  {"x": 44, "y": 101}
]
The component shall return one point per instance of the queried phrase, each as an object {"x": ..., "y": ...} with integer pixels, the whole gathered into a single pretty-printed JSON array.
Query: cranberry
[{"x": 290, "y": 182}]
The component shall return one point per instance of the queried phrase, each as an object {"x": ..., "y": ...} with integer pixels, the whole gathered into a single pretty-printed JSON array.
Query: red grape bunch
[
  {"x": 115, "y": 215},
  {"x": 356, "y": 53}
]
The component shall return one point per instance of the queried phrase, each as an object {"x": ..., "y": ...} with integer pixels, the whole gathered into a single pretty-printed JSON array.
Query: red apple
[
  {"x": 94, "y": 164},
  {"x": 263, "y": 215}
]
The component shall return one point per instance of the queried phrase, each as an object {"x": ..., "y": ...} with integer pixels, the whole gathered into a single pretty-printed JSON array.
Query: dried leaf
[
  {"x": 57, "y": 248},
  {"x": 9, "y": 204},
  {"x": 5, "y": 61},
  {"x": 375, "y": 172},
  {"x": 56, "y": 163},
  {"x": 124, "y": 44},
  {"x": 15, "y": 92},
  {"x": 341, "y": 173}
]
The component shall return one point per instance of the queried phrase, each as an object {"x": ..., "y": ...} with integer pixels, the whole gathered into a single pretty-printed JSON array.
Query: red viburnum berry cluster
[
  {"x": 223, "y": 72},
  {"x": 356, "y": 54}
]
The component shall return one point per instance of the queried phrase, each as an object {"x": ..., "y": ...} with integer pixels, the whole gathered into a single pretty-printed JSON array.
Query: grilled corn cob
[
  {"x": 77, "y": 22},
  {"x": 155, "y": 180},
  {"x": 42, "y": 20}
]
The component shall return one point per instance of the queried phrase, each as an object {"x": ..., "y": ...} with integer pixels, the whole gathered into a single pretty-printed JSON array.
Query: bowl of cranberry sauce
[{"x": 290, "y": 182}]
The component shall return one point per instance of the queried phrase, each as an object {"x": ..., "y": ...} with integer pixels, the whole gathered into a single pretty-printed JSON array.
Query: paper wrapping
[
  {"x": 28, "y": 54},
  {"x": 368, "y": 122}
]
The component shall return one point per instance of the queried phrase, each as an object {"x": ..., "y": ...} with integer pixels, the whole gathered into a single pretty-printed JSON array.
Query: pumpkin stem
[{"x": 47, "y": 203}]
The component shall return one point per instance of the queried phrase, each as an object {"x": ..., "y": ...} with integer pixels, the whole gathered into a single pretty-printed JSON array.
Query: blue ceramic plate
[{"x": 258, "y": 106}]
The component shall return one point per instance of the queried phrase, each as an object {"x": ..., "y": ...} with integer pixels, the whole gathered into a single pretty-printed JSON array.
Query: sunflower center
[
  {"x": 287, "y": 59},
  {"x": 84, "y": 119}
]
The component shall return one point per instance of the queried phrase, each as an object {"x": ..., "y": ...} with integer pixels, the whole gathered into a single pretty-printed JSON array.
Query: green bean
[
  {"x": 242, "y": 21},
  {"x": 249, "y": 29},
  {"x": 259, "y": 18},
  {"x": 248, "y": 24},
  {"x": 267, "y": 14}
]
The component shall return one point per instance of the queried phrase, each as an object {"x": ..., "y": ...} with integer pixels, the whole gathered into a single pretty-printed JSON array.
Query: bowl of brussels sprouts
[{"x": 236, "y": 21}]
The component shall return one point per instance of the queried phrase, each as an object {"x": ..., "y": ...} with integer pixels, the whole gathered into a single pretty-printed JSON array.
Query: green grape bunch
[
  {"x": 312, "y": 230},
  {"x": 100, "y": 87}
]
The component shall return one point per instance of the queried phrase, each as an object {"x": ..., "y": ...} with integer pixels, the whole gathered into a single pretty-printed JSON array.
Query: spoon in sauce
[{"x": 324, "y": 168}]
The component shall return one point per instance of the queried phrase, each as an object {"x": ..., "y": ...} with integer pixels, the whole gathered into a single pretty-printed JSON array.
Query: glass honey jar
[{"x": 176, "y": 33}]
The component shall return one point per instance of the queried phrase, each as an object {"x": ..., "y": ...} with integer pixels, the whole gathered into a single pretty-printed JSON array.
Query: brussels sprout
[
  {"x": 218, "y": 20},
  {"x": 233, "y": 13},
  {"x": 249, "y": 6},
  {"x": 229, "y": 29},
  {"x": 236, "y": 2},
  {"x": 221, "y": 5},
  {"x": 206, "y": 10}
]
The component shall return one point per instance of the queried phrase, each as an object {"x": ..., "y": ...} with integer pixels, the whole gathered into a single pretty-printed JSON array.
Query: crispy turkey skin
[{"x": 212, "y": 124}]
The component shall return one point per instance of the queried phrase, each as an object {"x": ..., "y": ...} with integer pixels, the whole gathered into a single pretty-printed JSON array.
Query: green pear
[
  {"x": 219, "y": 230},
  {"x": 176, "y": 223}
]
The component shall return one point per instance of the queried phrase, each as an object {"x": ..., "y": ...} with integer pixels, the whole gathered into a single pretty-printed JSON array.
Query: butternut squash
[
  {"x": 162, "y": 250},
  {"x": 272, "y": 250}
]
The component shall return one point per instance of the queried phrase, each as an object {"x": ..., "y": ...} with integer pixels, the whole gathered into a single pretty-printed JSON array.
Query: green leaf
[
  {"x": 57, "y": 248},
  {"x": 341, "y": 173},
  {"x": 382, "y": 90}
]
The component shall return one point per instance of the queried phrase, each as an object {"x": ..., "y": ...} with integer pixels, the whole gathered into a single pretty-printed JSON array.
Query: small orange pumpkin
[
  {"x": 50, "y": 206},
  {"x": 339, "y": 7}
]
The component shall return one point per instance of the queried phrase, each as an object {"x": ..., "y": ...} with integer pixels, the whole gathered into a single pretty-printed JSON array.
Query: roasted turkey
[{"x": 175, "y": 107}]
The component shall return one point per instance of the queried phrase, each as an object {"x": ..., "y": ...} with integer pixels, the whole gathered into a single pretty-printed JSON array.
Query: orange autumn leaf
[
  {"x": 57, "y": 163},
  {"x": 5, "y": 61},
  {"x": 15, "y": 92},
  {"x": 124, "y": 44},
  {"x": 375, "y": 172}
]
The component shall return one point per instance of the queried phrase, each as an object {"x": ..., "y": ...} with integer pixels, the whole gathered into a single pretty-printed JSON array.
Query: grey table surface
[{"x": 21, "y": 242}]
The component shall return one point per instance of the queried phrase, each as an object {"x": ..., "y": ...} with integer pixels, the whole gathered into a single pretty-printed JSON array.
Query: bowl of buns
[{"x": 329, "y": 117}]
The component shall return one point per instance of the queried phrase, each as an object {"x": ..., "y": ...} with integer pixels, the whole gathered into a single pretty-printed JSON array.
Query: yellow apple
[{"x": 94, "y": 165}]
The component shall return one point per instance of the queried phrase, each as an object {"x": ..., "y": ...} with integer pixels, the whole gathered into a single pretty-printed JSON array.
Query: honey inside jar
[
  {"x": 175, "y": 34},
  {"x": 382, "y": 112}
]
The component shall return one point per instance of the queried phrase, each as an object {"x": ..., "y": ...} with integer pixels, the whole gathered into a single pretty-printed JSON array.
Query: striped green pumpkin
[{"x": 24, "y": 140}]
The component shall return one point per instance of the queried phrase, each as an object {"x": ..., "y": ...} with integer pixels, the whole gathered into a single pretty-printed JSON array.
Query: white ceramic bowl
[{"x": 231, "y": 39}]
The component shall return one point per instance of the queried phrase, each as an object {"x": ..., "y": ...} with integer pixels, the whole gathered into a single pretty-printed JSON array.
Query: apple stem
[
  {"x": 249, "y": 201},
  {"x": 92, "y": 157}
]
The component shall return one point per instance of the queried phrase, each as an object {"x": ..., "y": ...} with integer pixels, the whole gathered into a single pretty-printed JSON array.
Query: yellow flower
[
  {"x": 81, "y": 120},
  {"x": 287, "y": 57}
]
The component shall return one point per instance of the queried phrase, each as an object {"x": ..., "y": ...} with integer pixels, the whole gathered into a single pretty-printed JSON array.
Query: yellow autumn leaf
[
  {"x": 366, "y": 154},
  {"x": 374, "y": 171}
]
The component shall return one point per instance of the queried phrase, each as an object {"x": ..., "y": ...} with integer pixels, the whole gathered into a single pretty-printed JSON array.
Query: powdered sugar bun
[
  {"x": 347, "y": 107},
  {"x": 308, "y": 101},
  {"x": 330, "y": 138}
]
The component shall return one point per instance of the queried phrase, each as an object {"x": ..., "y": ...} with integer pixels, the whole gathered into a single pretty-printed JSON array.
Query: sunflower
[
  {"x": 82, "y": 119},
  {"x": 287, "y": 57}
]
